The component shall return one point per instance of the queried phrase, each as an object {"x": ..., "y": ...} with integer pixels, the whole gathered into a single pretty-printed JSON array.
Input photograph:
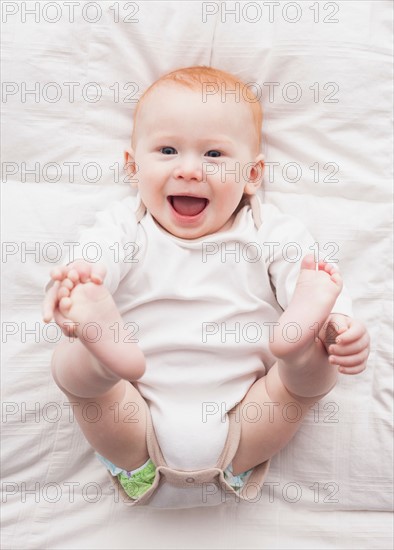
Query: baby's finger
[
  {"x": 353, "y": 370},
  {"x": 349, "y": 361},
  {"x": 49, "y": 303},
  {"x": 354, "y": 332},
  {"x": 339, "y": 322},
  {"x": 350, "y": 349},
  {"x": 330, "y": 332}
]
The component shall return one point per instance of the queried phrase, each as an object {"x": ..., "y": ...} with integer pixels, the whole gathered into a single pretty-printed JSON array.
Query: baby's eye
[
  {"x": 213, "y": 153},
  {"x": 168, "y": 151}
]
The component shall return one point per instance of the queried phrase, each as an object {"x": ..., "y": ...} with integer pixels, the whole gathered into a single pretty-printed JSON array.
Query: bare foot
[
  {"x": 99, "y": 326},
  {"x": 315, "y": 294}
]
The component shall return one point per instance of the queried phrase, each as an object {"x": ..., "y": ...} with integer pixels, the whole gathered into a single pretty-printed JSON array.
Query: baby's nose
[{"x": 189, "y": 170}]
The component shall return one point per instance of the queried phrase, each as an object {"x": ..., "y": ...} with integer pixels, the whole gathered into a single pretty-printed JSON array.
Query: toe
[
  {"x": 337, "y": 279},
  {"x": 65, "y": 305},
  {"x": 63, "y": 292},
  {"x": 68, "y": 283},
  {"x": 73, "y": 276},
  {"x": 308, "y": 262}
]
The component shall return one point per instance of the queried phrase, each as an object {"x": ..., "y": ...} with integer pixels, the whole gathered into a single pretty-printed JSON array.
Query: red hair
[{"x": 198, "y": 78}]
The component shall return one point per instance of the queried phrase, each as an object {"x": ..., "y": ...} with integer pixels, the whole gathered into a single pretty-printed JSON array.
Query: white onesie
[{"x": 202, "y": 311}]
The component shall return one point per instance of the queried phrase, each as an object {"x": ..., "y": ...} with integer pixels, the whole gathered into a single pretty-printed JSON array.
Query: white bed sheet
[{"x": 333, "y": 483}]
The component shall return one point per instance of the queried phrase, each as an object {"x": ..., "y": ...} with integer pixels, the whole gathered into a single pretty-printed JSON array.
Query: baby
[{"x": 203, "y": 298}]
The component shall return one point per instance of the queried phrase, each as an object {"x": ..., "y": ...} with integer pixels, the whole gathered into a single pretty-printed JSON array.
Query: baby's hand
[
  {"x": 350, "y": 348},
  {"x": 65, "y": 278}
]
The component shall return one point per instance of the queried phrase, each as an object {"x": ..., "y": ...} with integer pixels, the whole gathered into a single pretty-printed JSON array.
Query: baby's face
[{"x": 194, "y": 159}]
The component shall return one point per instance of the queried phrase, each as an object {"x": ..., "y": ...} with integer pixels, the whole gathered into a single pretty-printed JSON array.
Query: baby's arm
[
  {"x": 350, "y": 348},
  {"x": 64, "y": 278}
]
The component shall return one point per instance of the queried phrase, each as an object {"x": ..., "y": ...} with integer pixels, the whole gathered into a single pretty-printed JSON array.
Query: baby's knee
[{"x": 277, "y": 390}]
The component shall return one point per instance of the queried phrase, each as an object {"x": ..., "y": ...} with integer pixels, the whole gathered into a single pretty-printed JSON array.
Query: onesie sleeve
[
  {"x": 110, "y": 241},
  {"x": 285, "y": 241}
]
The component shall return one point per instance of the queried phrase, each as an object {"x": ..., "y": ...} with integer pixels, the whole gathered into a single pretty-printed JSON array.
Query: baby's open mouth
[{"x": 185, "y": 205}]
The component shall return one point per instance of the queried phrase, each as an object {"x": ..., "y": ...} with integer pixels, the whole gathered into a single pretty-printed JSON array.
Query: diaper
[
  {"x": 157, "y": 485},
  {"x": 136, "y": 482}
]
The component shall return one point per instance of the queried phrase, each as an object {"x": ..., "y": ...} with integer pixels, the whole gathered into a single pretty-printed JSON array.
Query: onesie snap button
[{"x": 190, "y": 479}]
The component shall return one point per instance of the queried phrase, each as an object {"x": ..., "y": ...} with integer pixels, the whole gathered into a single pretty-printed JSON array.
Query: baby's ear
[
  {"x": 254, "y": 177},
  {"x": 130, "y": 167}
]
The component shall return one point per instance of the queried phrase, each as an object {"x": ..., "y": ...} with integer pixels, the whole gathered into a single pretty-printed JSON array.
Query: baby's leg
[
  {"x": 274, "y": 407},
  {"x": 302, "y": 334},
  {"x": 91, "y": 311},
  {"x": 269, "y": 416},
  {"x": 94, "y": 372}
]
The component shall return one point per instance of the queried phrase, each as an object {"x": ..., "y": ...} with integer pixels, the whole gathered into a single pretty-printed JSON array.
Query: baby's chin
[
  {"x": 193, "y": 233},
  {"x": 185, "y": 233}
]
